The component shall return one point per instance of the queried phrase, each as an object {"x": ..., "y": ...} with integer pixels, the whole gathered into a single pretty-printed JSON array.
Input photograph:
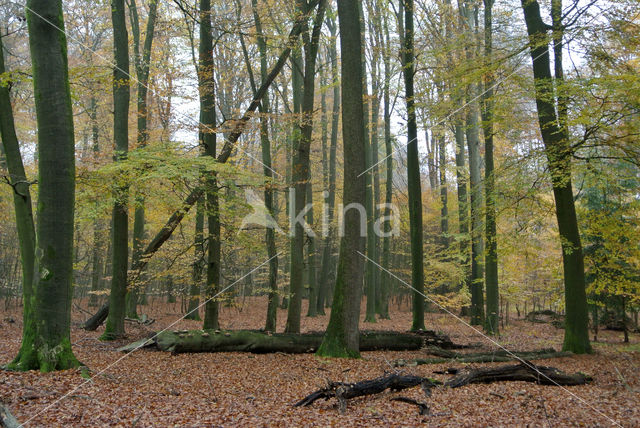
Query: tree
[
  {"x": 491, "y": 253},
  {"x": 342, "y": 337},
  {"x": 468, "y": 15},
  {"x": 46, "y": 341},
  {"x": 413, "y": 172},
  {"x": 270, "y": 239},
  {"x": 300, "y": 173},
  {"x": 208, "y": 140},
  {"x": 142, "y": 74},
  {"x": 327, "y": 258},
  {"x": 21, "y": 202},
  {"x": 558, "y": 151},
  {"x": 120, "y": 227}
]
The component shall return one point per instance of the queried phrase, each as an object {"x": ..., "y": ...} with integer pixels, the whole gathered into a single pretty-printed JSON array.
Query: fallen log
[
  {"x": 186, "y": 341},
  {"x": 96, "y": 320},
  {"x": 526, "y": 372},
  {"x": 343, "y": 391},
  {"x": 7, "y": 420},
  {"x": 500, "y": 356},
  {"x": 440, "y": 340}
]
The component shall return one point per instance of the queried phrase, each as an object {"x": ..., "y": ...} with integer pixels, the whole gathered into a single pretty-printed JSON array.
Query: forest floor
[{"x": 152, "y": 388}]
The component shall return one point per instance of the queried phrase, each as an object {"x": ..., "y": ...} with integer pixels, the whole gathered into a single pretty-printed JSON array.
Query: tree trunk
[
  {"x": 345, "y": 391},
  {"x": 272, "y": 307},
  {"x": 98, "y": 224},
  {"x": 558, "y": 150},
  {"x": 198, "y": 265},
  {"x": 120, "y": 227},
  {"x": 142, "y": 74},
  {"x": 22, "y": 204},
  {"x": 207, "y": 125},
  {"x": 413, "y": 171},
  {"x": 342, "y": 338},
  {"x": 491, "y": 253},
  {"x": 469, "y": 13},
  {"x": 259, "y": 343},
  {"x": 327, "y": 257},
  {"x": 523, "y": 372},
  {"x": 300, "y": 174},
  {"x": 46, "y": 341},
  {"x": 385, "y": 278}
]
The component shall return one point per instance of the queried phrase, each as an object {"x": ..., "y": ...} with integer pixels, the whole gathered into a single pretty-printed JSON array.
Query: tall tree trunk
[
  {"x": 327, "y": 257},
  {"x": 270, "y": 239},
  {"x": 300, "y": 174},
  {"x": 120, "y": 228},
  {"x": 342, "y": 336},
  {"x": 413, "y": 172},
  {"x": 142, "y": 74},
  {"x": 475, "y": 165},
  {"x": 491, "y": 253},
  {"x": 207, "y": 123},
  {"x": 385, "y": 278},
  {"x": 46, "y": 341},
  {"x": 558, "y": 150},
  {"x": 22, "y": 205}
]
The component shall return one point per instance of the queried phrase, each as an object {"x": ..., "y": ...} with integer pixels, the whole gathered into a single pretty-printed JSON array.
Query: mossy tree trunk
[
  {"x": 558, "y": 151},
  {"x": 46, "y": 341},
  {"x": 21, "y": 202},
  {"x": 342, "y": 338},
  {"x": 120, "y": 227}
]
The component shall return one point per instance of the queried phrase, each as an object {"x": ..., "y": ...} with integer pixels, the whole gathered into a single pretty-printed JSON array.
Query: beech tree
[
  {"x": 342, "y": 336},
  {"x": 558, "y": 150},
  {"x": 120, "y": 218},
  {"x": 46, "y": 341}
]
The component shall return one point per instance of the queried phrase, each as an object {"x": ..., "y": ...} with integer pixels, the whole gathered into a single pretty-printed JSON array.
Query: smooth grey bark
[
  {"x": 46, "y": 341},
  {"x": 120, "y": 226}
]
